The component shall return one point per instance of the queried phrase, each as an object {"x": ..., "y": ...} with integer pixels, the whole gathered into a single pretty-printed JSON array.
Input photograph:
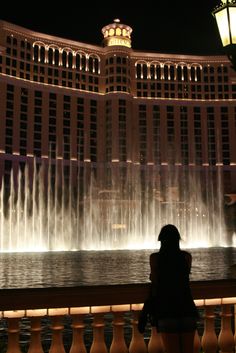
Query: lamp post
[{"x": 225, "y": 15}]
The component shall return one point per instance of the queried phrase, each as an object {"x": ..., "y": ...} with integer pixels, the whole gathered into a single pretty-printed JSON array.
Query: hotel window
[
  {"x": 37, "y": 123},
  {"x": 211, "y": 135},
  {"x": 212, "y": 79},
  {"x": 172, "y": 72},
  {"x": 166, "y": 72},
  {"x": 80, "y": 129},
  {"x": 142, "y": 134},
  {"x": 170, "y": 133},
  {"x": 93, "y": 64},
  {"x": 23, "y": 121},
  {"x": 122, "y": 130},
  {"x": 225, "y": 135},
  {"x": 145, "y": 71},
  {"x": 180, "y": 90},
  {"x": 196, "y": 74},
  {"x": 152, "y": 72},
  {"x": 233, "y": 91},
  {"x": 22, "y": 69},
  {"x": 169, "y": 72},
  {"x": 56, "y": 57},
  {"x": 9, "y": 119},
  {"x": 158, "y": 72},
  {"x": 197, "y": 135},
  {"x": 83, "y": 63},
  {"x": 7, "y": 172},
  {"x": 138, "y": 71},
  {"x": 64, "y": 58},
  {"x": 69, "y": 60},
  {"x": 184, "y": 135},
  {"x": 235, "y": 118},
  {"x": 77, "y": 61},
  {"x": 93, "y": 130},
  {"x": 108, "y": 131},
  {"x": 52, "y": 125},
  {"x": 156, "y": 133},
  {"x": 14, "y": 52},
  {"x": 179, "y": 73},
  {"x": 50, "y": 56},
  {"x": 155, "y": 72},
  {"x": 42, "y": 55},
  {"x": 193, "y": 73},
  {"x": 141, "y": 71},
  {"x": 66, "y": 126}
]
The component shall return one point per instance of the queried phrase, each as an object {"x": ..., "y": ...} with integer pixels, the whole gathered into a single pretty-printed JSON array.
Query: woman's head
[{"x": 169, "y": 236}]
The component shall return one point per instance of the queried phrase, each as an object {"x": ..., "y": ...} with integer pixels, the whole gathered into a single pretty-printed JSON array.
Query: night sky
[{"x": 167, "y": 26}]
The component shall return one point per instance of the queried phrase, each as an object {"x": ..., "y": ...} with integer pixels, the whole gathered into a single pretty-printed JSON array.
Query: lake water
[{"x": 79, "y": 268}]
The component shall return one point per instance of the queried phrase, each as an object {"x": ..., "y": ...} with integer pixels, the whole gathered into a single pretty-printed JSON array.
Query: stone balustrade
[{"x": 102, "y": 319}]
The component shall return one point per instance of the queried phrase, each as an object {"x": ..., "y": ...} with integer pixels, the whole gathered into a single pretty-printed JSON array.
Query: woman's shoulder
[
  {"x": 154, "y": 255},
  {"x": 188, "y": 257},
  {"x": 186, "y": 254}
]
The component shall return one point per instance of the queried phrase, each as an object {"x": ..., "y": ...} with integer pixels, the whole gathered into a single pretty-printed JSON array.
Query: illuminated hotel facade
[{"x": 110, "y": 106}]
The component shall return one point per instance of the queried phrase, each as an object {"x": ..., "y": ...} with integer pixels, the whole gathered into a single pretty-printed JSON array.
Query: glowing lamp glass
[
  {"x": 223, "y": 26},
  {"x": 232, "y": 16},
  {"x": 226, "y": 22}
]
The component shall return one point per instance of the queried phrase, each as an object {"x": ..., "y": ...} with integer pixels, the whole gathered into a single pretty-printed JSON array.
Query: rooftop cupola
[{"x": 117, "y": 33}]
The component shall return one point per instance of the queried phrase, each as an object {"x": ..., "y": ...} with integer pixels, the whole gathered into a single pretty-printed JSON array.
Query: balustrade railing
[{"x": 102, "y": 319}]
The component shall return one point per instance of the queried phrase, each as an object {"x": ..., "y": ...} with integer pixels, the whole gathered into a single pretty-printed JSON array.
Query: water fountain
[{"x": 39, "y": 215}]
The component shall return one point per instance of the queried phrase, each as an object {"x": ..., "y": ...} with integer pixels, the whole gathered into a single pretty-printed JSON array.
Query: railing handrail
[{"x": 79, "y": 296}]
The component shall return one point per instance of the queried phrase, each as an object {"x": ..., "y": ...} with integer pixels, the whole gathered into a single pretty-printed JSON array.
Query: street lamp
[{"x": 225, "y": 15}]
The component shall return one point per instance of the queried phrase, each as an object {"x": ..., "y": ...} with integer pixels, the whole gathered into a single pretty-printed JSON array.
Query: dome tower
[{"x": 117, "y": 33}]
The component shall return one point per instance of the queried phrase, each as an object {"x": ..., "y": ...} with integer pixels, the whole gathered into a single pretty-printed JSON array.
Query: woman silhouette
[{"x": 173, "y": 309}]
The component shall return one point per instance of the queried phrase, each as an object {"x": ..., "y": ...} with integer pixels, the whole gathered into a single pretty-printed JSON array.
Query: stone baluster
[
  {"x": 235, "y": 324},
  {"x": 78, "y": 345},
  {"x": 226, "y": 338},
  {"x": 197, "y": 339},
  {"x": 137, "y": 344},
  {"x": 12, "y": 317},
  {"x": 209, "y": 338},
  {"x": 196, "y": 343},
  {"x": 98, "y": 344},
  {"x": 13, "y": 335},
  {"x": 57, "y": 331},
  {"x": 35, "y": 339},
  {"x": 118, "y": 344},
  {"x": 155, "y": 344}
]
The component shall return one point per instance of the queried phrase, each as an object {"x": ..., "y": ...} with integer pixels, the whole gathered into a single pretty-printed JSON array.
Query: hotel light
[{"x": 118, "y": 226}]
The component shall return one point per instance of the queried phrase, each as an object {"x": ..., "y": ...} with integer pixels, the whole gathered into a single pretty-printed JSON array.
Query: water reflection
[{"x": 56, "y": 269}]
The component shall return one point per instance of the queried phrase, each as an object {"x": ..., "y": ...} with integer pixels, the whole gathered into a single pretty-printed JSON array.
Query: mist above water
[{"x": 44, "y": 210}]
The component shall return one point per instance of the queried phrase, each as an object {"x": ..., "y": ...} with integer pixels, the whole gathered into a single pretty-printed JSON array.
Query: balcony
[{"x": 101, "y": 319}]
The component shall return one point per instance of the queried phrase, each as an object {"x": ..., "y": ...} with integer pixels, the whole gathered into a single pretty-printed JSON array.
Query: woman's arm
[
  {"x": 153, "y": 267},
  {"x": 188, "y": 258}
]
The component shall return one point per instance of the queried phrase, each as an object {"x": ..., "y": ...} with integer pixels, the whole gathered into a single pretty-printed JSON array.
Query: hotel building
[{"x": 107, "y": 107}]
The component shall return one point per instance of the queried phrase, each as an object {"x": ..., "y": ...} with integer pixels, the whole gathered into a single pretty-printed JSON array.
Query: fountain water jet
[{"x": 45, "y": 211}]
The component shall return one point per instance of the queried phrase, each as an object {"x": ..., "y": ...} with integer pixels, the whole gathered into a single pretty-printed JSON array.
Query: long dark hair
[{"x": 169, "y": 237}]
